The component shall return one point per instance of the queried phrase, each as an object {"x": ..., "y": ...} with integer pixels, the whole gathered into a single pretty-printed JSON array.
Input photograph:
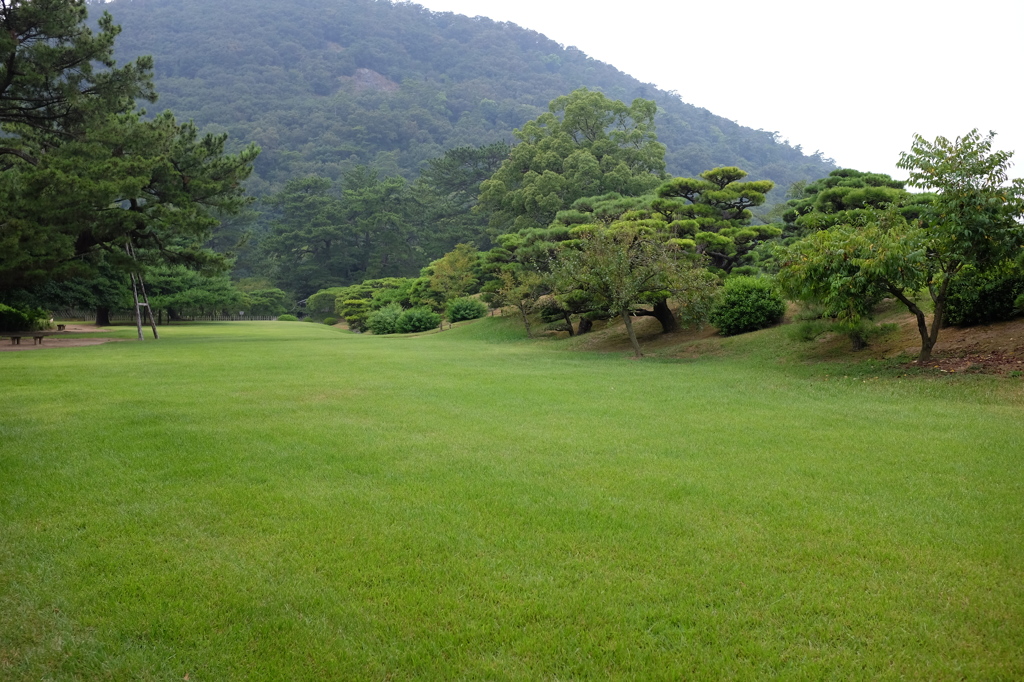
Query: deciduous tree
[
  {"x": 585, "y": 145},
  {"x": 975, "y": 219},
  {"x": 620, "y": 268}
]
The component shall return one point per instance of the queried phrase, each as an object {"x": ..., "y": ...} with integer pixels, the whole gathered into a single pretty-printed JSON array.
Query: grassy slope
[{"x": 286, "y": 501}]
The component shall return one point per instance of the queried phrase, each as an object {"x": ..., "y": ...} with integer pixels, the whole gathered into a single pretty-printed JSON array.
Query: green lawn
[{"x": 287, "y": 501}]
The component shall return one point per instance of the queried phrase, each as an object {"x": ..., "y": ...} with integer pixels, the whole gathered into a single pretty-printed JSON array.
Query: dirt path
[{"x": 60, "y": 342}]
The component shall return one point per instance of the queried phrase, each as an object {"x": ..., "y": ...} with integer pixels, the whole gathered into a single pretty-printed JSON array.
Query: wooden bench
[{"x": 37, "y": 337}]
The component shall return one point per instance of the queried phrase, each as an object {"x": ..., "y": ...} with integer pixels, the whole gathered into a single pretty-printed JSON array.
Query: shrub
[
  {"x": 417, "y": 320},
  {"x": 266, "y": 302},
  {"x": 355, "y": 311},
  {"x": 384, "y": 321},
  {"x": 809, "y": 330},
  {"x": 287, "y": 318},
  {"x": 330, "y": 321},
  {"x": 22, "y": 319},
  {"x": 747, "y": 304},
  {"x": 983, "y": 297},
  {"x": 465, "y": 309},
  {"x": 863, "y": 331}
]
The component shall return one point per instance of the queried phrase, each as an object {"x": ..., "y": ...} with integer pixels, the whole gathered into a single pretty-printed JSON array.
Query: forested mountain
[{"x": 326, "y": 85}]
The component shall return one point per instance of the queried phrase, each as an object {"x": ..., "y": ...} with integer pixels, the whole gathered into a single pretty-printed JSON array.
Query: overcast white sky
[{"x": 853, "y": 79}]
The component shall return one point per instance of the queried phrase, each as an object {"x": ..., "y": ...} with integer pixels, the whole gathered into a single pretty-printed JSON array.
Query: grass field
[{"x": 287, "y": 501}]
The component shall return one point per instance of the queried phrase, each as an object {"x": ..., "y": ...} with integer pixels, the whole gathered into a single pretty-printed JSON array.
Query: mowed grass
[{"x": 286, "y": 501}]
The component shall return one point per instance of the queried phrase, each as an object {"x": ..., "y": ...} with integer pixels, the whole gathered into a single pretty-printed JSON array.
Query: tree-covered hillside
[{"x": 326, "y": 85}]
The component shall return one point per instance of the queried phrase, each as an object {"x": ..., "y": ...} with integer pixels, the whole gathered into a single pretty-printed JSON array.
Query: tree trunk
[
  {"x": 568, "y": 321},
  {"x": 102, "y": 317},
  {"x": 526, "y": 321},
  {"x": 939, "y": 311},
  {"x": 632, "y": 334},
  {"x": 586, "y": 324},
  {"x": 664, "y": 315},
  {"x": 927, "y": 340}
]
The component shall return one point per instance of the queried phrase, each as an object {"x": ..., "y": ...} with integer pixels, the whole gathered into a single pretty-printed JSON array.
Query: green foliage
[
  {"x": 168, "y": 182},
  {"x": 461, "y": 309},
  {"x": 448, "y": 190},
  {"x": 847, "y": 195},
  {"x": 48, "y": 68},
  {"x": 455, "y": 274},
  {"x": 22, "y": 319},
  {"x": 974, "y": 219},
  {"x": 355, "y": 311},
  {"x": 860, "y": 332},
  {"x": 809, "y": 330},
  {"x": 620, "y": 269},
  {"x": 983, "y": 297},
  {"x": 323, "y": 301},
  {"x": 417, "y": 320},
  {"x": 266, "y": 301},
  {"x": 846, "y": 269},
  {"x": 977, "y": 213},
  {"x": 323, "y": 238},
  {"x": 326, "y": 85},
  {"x": 712, "y": 213},
  {"x": 518, "y": 287},
  {"x": 587, "y": 144},
  {"x": 747, "y": 304},
  {"x": 400, "y": 290},
  {"x": 384, "y": 320},
  {"x": 287, "y": 318},
  {"x": 181, "y": 291},
  {"x": 330, "y": 321}
]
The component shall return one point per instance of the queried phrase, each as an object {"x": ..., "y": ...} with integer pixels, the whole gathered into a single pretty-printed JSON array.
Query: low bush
[
  {"x": 330, "y": 321},
  {"x": 985, "y": 297},
  {"x": 22, "y": 319},
  {"x": 417, "y": 320},
  {"x": 809, "y": 330},
  {"x": 384, "y": 320},
  {"x": 287, "y": 318},
  {"x": 465, "y": 309},
  {"x": 747, "y": 304},
  {"x": 863, "y": 331}
]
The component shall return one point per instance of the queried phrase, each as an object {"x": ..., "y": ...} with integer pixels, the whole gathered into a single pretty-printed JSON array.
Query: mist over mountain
[{"x": 326, "y": 85}]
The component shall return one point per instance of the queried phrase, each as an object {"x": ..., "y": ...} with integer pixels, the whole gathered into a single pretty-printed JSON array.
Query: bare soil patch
[
  {"x": 983, "y": 349},
  {"x": 61, "y": 342}
]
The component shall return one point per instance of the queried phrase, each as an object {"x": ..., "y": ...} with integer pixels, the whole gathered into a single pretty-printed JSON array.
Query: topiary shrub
[
  {"x": 287, "y": 318},
  {"x": 985, "y": 297},
  {"x": 355, "y": 311},
  {"x": 465, "y": 309},
  {"x": 417, "y": 320},
  {"x": 385, "y": 320},
  {"x": 747, "y": 304},
  {"x": 330, "y": 321}
]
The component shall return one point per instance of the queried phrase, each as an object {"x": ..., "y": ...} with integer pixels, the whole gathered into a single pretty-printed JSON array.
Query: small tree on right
[{"x": 974, "y": 219}]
